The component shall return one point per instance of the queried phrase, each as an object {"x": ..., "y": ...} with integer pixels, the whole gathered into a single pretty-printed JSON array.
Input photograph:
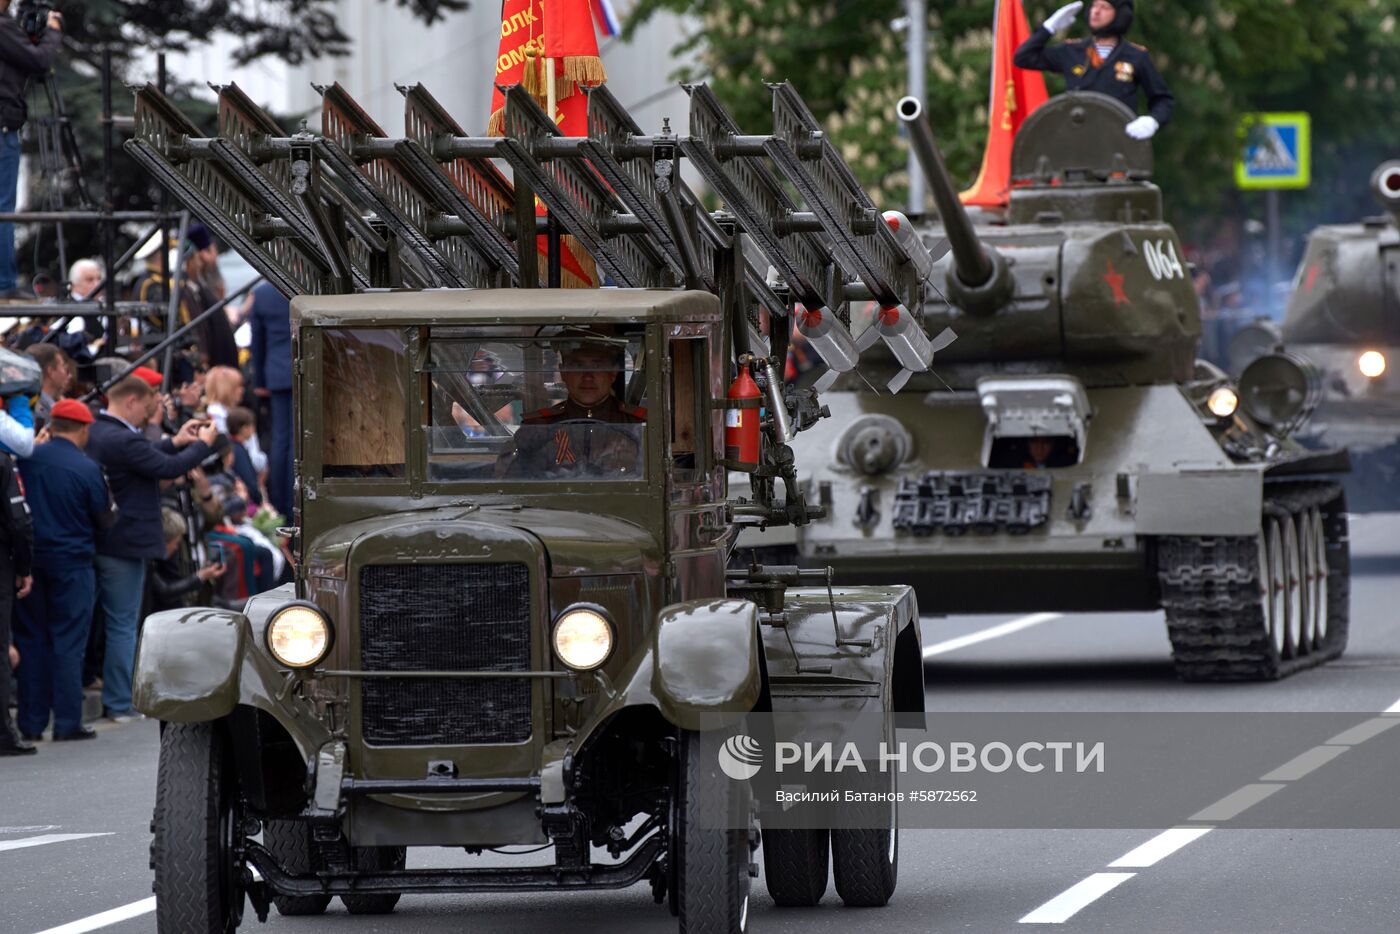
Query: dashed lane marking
[
  {"x": 106, "y": 918},
  {"x": 1237, "y": 802},
  {"x": 1159, "y": 847},
  {"x": 994, "y": 632},
  {"x": 1297, "y": 767},
  {"x": 1364, "y": 731},
  {"x": 24, "y": 842},
  {"x": 1069, "y": 902}
]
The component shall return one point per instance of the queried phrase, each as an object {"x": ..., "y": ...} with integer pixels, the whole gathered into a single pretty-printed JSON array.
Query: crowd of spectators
[{"x": 152, "y": 492}]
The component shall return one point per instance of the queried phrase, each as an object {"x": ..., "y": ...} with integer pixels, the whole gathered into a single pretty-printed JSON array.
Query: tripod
[{"x": 60, "y": 163}]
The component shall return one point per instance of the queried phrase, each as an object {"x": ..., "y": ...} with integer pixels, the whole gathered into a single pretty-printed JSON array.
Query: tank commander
[
  {"x": 1106, "y": 63},
  {"x": 569, "y": 436}
]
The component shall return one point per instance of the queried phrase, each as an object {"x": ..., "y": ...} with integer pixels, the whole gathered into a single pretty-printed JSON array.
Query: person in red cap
[
  {"x": 69, "y": 501},
  {"x": 152, "y": 378}
]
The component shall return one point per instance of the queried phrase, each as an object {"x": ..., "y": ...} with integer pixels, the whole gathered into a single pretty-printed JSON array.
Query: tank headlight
[
  {"x": 1222, "y": 402},
  {"x": 1371, "y": 364},
  {"x": 1279, "y": 389},
  {"x": 298, "y": 636},
  {"x": 583, "y": 637}
]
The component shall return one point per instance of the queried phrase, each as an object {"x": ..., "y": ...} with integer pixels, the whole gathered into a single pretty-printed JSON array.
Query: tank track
[{"x": 1217, "y": 614}]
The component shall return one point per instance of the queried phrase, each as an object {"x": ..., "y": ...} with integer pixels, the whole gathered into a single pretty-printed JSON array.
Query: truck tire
[
  {"x": 796, "y": 864},
  {"x": 375, "y": 859},
  {"x": 197, "y": 882},
  {"x": 865, "y": 860},
  {"x": 712, "y": 862},
  {"x": 290, "y": 843}
]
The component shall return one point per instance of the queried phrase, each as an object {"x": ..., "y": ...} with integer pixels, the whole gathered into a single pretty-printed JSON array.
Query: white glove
[
  {"x": 1143, "y": 128},
  {"x": 1062, "y": 17}
]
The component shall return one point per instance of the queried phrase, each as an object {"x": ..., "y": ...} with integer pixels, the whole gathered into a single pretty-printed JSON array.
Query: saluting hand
[{"x": 1062, "y": 17}]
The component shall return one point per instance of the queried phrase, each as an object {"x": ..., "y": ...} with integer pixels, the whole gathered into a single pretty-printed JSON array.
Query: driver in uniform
[{"x": 570, "y": 436}]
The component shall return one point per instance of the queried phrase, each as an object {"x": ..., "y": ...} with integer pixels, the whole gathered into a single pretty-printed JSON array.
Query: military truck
[
  {"x": 1067, "y": 451},
  {"x": 1344, "y": 315},
  {"x": 512, "y": 622}
]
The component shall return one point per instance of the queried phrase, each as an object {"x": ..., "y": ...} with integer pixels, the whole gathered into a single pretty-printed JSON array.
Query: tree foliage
[{"x": 1223, "y": 58}]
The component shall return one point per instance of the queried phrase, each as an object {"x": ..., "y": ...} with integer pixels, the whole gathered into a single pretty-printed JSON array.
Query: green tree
[{"x": 1222, "y": 58}]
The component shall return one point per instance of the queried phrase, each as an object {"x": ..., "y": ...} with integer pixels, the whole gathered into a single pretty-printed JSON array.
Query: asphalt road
[{"x": 74, "y": 839}]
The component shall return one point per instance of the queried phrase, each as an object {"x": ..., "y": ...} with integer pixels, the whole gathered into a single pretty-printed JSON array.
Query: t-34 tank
[
  {"x": 1067, "y": 451},
  {"x": 1344, "y": 315}
]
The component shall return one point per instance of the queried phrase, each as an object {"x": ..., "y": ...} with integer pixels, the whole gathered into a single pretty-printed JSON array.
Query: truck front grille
[{"x": 445, "y": 617}]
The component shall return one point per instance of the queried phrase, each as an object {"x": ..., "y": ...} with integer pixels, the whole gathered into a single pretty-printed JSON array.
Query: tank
[
  {"x": 1344, "y": 315},
  {"x": 1067, "y": 451}
]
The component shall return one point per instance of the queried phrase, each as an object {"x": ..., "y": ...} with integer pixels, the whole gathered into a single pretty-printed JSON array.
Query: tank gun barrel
[
  {"x": 979, "y": 281},
  {"x": 1385, "y": 185}
]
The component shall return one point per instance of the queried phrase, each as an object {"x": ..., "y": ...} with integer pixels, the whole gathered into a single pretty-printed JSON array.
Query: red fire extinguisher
[{"x": 741, "y": 423}]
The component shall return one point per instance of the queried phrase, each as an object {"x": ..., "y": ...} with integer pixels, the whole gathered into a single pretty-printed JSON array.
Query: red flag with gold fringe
[
  {"x": 1016, "y": 92},
  {"x": 531, "y": 32}
]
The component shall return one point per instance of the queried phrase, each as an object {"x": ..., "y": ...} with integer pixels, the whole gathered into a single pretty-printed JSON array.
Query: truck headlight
[
  {"x": 1371, "y": 364},
  {"x": 298, "y": 636},
  {"x": 1222, "y": 402},
  {"x": 583, "y": 637}
]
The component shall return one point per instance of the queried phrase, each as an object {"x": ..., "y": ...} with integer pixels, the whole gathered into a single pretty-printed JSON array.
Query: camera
[{"x": 33, "y": 18}]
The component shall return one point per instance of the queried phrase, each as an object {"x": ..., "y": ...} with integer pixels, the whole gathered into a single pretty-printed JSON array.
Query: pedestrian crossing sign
[{"x": 1275, "y": 151}]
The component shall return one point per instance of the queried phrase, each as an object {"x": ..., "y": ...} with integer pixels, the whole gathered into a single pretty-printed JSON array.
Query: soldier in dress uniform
[
  {"x": 574, "y": 435},
  {"x": 1107, "y": 62}
]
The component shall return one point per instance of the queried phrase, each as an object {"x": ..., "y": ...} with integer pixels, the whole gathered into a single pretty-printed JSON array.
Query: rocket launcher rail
[{"x": 354, "y": 209}]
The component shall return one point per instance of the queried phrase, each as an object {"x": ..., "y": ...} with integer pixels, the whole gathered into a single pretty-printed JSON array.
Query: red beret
[
  {"x": 71, "y": 409},
  {"x": 149, "y": 375}
]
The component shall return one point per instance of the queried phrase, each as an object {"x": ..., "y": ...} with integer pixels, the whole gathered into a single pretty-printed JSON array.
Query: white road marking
[
  {"x": 1159, "y": 847},
  {"x": 1236, "y": 802},
  {"x": 1298, "y": 766},
  {"x": 46, "y": 838},
  {"x": 1393, "y": 708},
  {"x": 1069, "y": 902},
  {"x": 1368, "y": 729},
  {"x": 36, "y": 828},
  {"x": 107, "y": 918},
  {"x": 995, "y": 632}
]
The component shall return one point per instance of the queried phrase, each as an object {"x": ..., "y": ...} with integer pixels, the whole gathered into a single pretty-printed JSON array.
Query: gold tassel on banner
[
  {"x": 533, "y": 77},
  {"x": 587, "y": 70},
  {"x": 568, "y": 279}
]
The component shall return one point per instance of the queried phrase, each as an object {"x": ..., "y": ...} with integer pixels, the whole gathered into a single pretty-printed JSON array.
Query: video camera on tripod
[{"x": 33, "y": 17}]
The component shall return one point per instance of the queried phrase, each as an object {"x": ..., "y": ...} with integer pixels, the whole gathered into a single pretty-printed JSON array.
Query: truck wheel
[
  {"x": 865, "y": 862},
  {"x": 375, "y": 859},
  {"x": 795, "y": 866},
  {"x": 712, "y": 862},
  {"x": 198, "y": 878},
  {"x": 289, "y": 841}
]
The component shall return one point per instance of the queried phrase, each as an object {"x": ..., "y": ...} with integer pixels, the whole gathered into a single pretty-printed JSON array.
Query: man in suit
[
  {"x": 270, "y": 314},
  {"x": 135, "y": 466}
]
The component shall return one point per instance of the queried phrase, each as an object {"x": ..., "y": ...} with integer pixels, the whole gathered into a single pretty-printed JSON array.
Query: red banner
[
  {"x": 570, "y": 40},
  {"x": 522, "y": 44},
  {"x": 1015, "y": 94}
]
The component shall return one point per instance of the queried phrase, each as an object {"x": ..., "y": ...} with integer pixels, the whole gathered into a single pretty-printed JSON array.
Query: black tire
[
  {"x": 865, "y": 860},
  {"x": 290, "y": 843},
  {"x": 796, "y": 864},
  {"x": 712, "y": 871},
  {"x": 196, "y": 880},
  {"x": 375, "y": 859}
]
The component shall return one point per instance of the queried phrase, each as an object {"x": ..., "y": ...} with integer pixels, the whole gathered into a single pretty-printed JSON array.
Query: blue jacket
[
  {"x": 69, "y": 501},
  {"x": 272, "y": 339},
  {"x": 135, "y": 466}
]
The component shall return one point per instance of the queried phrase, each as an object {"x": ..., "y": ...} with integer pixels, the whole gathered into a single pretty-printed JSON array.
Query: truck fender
[
  {"x": 703, "y": 668},
  {"x": 189, "y": 664}
]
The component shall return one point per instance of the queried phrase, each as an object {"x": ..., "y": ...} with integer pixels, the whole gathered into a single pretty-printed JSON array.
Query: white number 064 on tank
[{"x": 1162, "y": 261}]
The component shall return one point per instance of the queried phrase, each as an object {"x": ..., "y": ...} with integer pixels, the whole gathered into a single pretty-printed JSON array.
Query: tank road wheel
[
  {"x": 375, "y": 859},
  {"x": 198, "y": 874},
  {"x": 795, "y": 866},
  {"x": 865, "y": 862},
  {"x": 1241, "y": 609},
  {"x": 290, "y": 843},
  {"x": 711, "y": 875}
]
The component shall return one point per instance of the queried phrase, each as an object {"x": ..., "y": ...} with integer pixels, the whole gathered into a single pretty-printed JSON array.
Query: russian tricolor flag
[{"x": 606, "y": 17}]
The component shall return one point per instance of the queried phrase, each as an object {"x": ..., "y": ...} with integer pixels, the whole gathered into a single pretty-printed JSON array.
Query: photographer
[{"x": 22, "y": 56}]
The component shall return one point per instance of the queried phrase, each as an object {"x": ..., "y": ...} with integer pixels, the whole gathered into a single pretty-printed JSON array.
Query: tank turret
[{"x": 1344, "y": 315}]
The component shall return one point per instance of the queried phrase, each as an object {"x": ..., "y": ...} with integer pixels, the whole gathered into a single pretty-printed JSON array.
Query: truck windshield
[{"x": 525, "y": 404}]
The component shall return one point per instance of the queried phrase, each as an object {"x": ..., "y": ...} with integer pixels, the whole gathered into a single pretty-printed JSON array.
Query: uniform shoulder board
[
  {"x": 547, "y": 411},
  {"x": 636, "y": 411},
  {"x": 1140, "y": 48}
]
